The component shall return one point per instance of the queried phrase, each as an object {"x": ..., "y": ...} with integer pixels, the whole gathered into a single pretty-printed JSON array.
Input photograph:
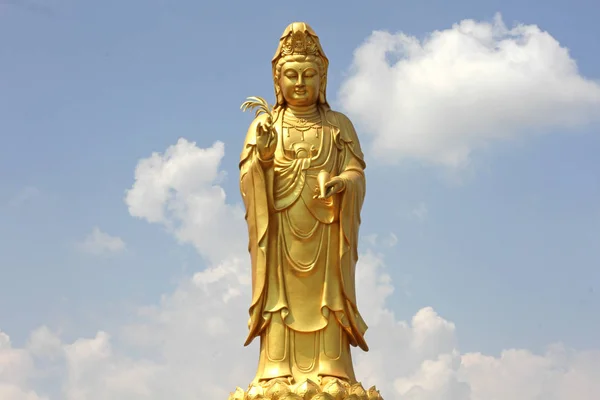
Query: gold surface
[
  {"x": 303, "y": 185},
  {"x": 333, "y": 389}
]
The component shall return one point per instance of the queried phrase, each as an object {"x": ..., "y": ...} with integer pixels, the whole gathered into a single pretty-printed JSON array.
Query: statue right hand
[{"x": 266, "y": 139}]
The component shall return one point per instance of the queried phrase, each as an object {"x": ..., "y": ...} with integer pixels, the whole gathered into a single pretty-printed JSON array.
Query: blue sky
[{"x": 511, "y": 254}]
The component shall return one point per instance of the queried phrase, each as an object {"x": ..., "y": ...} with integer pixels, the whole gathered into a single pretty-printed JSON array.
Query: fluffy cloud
[
  {"x": 460, "y": 89},
  {"x": 560, "y": 373},
  {"x": 189, "y": 345},
  {"x": 17, "y": 368},
  {"x": 98, "y": 242},
  {"x": 180, "y": 190}
]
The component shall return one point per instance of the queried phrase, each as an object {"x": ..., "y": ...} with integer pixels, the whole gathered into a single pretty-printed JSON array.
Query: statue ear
[
  {"x": 278, "y": 95},
  {"x": 322, "y": 98}
]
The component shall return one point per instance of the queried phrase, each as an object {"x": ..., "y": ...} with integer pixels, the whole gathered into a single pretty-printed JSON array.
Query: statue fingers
[
  {"x": 332, "y": 188},
  {"x": 260, "y": 130},
  {"x": 272, "y": 138},
  {"x": 317, "y": 194}
]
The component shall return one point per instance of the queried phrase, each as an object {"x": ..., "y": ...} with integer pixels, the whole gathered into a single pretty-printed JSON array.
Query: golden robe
[{"x": 304, "y": 252}]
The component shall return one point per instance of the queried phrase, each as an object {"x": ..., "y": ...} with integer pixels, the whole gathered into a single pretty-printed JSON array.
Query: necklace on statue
[{"x": 302, "y": 124}]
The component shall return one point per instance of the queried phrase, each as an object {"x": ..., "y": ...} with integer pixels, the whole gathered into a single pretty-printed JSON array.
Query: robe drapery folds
[{"x": 304, "y": 250}]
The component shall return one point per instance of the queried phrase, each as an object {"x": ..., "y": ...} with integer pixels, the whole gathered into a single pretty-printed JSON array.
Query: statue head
[{"x": 300, "y": 67}]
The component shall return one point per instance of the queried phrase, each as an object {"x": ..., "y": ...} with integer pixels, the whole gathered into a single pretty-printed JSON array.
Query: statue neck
[{"x": 302, "y": 111}]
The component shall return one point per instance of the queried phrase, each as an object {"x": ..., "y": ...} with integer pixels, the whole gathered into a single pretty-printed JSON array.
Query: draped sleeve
[
  {"x": 255, "y": 183},
  {"x": 351, "y": 167}
]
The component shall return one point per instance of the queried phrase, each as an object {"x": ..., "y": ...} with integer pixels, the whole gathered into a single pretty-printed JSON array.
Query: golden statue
[{"x": 303, "y": 184}]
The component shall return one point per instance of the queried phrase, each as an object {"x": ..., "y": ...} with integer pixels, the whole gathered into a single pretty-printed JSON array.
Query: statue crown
[{"x": 299, "y": 43}]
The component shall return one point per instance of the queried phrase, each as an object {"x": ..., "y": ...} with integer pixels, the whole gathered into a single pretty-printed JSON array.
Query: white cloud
[
  {"x": 10, "y": 392},
  {"x": 190, "y": 346},
  {"x": 98, "y": 242},
  {"x": 463, "y": 88},
  {"x": 16, "y": 370},
  {"x": 180, "y": 189},
  {"x": 44, "y": 343},
  {"x": 560, "y": 373}
]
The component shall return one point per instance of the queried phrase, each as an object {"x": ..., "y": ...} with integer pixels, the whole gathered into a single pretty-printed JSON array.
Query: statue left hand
[{"x": 335, "y": 185}]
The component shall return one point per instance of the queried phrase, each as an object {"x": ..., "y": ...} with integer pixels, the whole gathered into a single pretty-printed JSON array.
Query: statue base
[{"x": 330, "y": 389}]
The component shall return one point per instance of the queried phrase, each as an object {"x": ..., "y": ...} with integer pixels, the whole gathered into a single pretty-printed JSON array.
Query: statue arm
[
  {"x": 353, "y": 164},
  {"x": 352, "y": 167},
  {"x": 353, "y": 170}
]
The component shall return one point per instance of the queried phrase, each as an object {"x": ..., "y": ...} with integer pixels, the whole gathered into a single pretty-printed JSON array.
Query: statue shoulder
[
  {"x": 341, "y": 117},
  {"x": 347, "y": 131}
]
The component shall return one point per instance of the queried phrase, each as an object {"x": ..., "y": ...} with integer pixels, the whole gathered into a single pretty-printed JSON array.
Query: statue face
[{"x": 299, "y": 83}]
